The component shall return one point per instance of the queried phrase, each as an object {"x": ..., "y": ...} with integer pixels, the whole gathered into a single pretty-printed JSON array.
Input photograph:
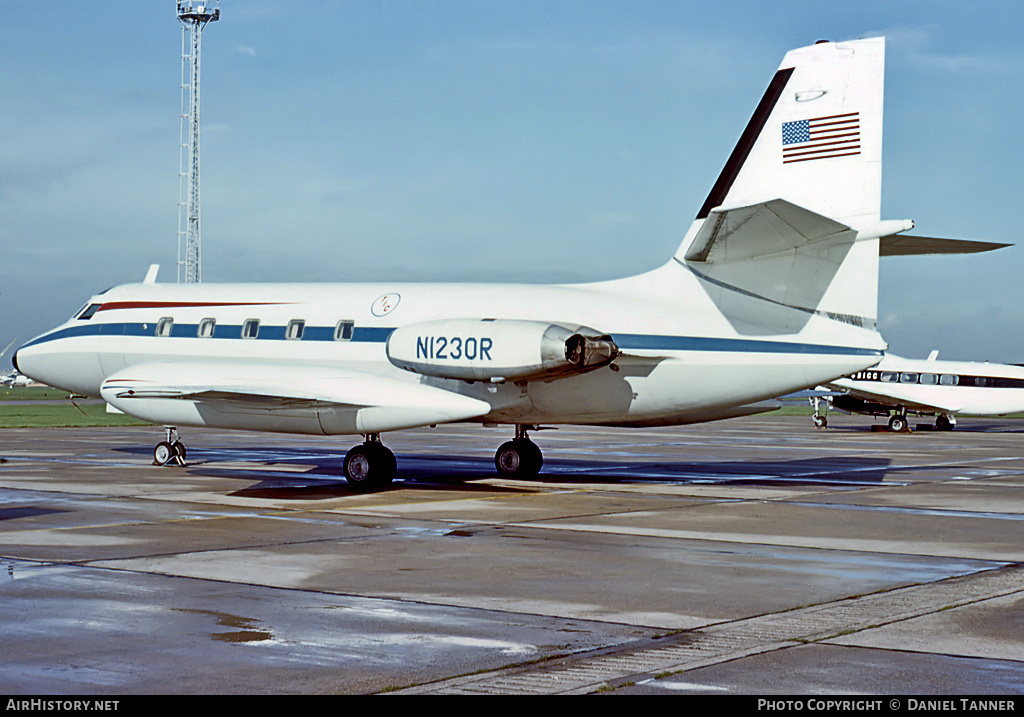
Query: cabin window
[
  {"x": 206, "y": 327},
  {"x": 86, "y": 313},
  {"x": 929, "y": 378},
  {"x": 890, "y": 377},
  {"x": 948, "y": 380},
  {"x": 908, "y": 378},
  {"x": 980, "y": 381},
  {"x": 295, "y": 329},
  {"x": 251, "y": 328},
  {"x": 343, "y": 331},
  {"x": 164, "y": 326}
]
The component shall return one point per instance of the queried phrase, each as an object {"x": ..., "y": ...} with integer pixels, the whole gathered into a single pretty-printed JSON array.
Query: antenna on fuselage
[{"x": 194, "y": 16}]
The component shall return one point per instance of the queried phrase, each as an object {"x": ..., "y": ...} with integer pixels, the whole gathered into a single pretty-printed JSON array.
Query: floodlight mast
[{"x": 194, "y": 16}]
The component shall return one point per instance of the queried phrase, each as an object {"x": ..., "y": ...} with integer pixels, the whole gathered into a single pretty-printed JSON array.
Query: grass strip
[{"x": 52, "y": 414}]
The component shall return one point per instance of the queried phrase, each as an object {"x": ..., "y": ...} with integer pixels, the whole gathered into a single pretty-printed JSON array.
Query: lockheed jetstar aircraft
[
  {"x": 773, "y": 289},
  {"x": 898, "y": 386}
]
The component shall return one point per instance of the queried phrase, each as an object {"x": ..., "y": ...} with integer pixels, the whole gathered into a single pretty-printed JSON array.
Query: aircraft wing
[
  {"x": 816, "y": 392},
  {"x": 908, "y": 395},
  {"x": 300, "y": 399}
]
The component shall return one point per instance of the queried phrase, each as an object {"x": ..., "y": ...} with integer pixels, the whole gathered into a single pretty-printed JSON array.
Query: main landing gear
[
  {"x": 944, "y": 422},
  {"x": 171, "y": 451},
  {"x": 520, "y": 457},
  {"x": 370, "y": 466},
  {"x": 898, "y": 423}
]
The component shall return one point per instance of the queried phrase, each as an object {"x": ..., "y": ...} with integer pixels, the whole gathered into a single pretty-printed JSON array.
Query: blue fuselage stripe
[
  {"x": 651, "y": 342},
  {"x": 367, "y": 334}
]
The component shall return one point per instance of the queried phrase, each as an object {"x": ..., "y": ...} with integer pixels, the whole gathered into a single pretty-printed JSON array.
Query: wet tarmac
[{"x": 751, "y": 556}]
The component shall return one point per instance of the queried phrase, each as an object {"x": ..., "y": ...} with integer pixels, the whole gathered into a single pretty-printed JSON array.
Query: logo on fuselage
[{"x": 385, "y": 304}]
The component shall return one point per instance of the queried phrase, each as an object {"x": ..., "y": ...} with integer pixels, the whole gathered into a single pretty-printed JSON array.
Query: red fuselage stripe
[{"x": 113, "y": 305}]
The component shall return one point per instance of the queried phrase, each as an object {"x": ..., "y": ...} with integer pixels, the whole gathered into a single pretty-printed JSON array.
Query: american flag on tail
[{"x": 821, "y": 138}]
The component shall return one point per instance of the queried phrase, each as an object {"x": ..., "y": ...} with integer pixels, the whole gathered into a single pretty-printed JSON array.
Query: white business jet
[
  {"x": 773, "y": 289},
  {"x": 900, "y": 386}
]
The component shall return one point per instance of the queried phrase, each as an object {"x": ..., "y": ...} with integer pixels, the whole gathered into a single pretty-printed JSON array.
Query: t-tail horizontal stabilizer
[
  {"x": 893, "y": 245},
  {"x": 775, "y": 227},
  {"x": 791, "y": 228}
]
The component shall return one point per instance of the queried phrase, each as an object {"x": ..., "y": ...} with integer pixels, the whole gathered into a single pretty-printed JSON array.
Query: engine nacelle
[{"x": 498, "y": 349}]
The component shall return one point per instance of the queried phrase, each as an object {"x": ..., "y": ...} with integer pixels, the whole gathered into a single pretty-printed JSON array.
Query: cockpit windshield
[{"x": 86, "y": 313}]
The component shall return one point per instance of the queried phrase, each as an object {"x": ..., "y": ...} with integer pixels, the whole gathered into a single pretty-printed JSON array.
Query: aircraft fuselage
[{"x": 672, "y": 368}]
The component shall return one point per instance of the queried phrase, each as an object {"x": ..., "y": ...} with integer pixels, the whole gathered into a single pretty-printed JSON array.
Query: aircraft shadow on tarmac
[
  {"x": 27, "y": 511},
  {"x": 920, "y": 424},
  {"x": 311, "y": 474}
]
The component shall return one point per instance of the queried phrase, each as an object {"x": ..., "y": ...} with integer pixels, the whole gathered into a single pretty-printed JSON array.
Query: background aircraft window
[
  {"x": 930, "y": 378},
  {"x": 890, "y": 377},
  {"x": 295, "y": 329},
  {"x": 343, "y": 331},
  {"x": 948, "y": 380},
  {"x": 88, "y": 311},
  {"x": 980, "y": 381},
  {"x": 164, "y": 326},
  {"x": 206, "y": 328},
  {"x": 908, "y": 378},
  {"x": 250, "y": 328}
]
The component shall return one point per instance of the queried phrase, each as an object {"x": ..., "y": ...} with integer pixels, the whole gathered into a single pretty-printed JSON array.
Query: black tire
[
  {"x": 369, "y": 467},
  {"x": 388, "y": 465},
  {"x": 163, "y": 453},
  {"x": 179, "y": 451},
  {"x": 820, "y": 422},
  {"x": 518, "y": 459}
]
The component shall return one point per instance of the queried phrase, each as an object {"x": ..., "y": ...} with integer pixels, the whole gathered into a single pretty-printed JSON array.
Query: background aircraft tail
[{"x": 793, "y": 220}]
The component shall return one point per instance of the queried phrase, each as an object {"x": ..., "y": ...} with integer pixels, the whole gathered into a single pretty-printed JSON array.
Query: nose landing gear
[
  {"x": 820, "y": 417},
  {"x": 171, "y": 451}
]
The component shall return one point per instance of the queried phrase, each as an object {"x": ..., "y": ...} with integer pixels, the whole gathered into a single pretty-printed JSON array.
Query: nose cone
[
  {"x": 60, "y": 362},
  {"x": 23, "y": 362},
  {"x": 31, "y": 360}
]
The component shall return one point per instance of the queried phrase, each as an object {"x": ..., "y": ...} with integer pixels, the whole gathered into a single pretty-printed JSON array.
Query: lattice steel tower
[{"x": 194, "y": 16}]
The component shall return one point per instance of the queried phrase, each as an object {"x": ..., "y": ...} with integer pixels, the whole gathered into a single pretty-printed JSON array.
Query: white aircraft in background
[
  {"x": 899, "y": 386},
  {"x": 773, "y": 289},
  {"x": 13, "y": 378}
]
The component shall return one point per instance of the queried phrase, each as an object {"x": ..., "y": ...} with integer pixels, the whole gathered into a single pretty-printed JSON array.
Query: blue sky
[{"x": 463, "y": 140}]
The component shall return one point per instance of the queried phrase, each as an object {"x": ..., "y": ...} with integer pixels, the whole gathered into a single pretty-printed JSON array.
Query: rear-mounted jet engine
[{"x": 499, "y": 349}]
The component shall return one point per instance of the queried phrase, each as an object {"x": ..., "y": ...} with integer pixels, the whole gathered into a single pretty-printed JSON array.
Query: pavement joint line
[{"x": 715, "y": 644}]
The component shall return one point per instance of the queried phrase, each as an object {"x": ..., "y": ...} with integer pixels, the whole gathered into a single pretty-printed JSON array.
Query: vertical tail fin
[
  {"x": 815, "y": 139},
  {"x": 793, "y": 219}
]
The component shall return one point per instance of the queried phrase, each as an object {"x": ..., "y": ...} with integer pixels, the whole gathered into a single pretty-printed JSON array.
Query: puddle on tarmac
[{"x": 247, "y": 629}]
